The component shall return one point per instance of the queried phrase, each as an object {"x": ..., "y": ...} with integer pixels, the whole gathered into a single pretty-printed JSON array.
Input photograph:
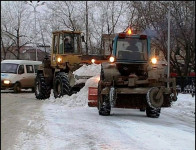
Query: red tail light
[
  {"x": 143, "y": 37},
  {"x": 122, "y": 35}
]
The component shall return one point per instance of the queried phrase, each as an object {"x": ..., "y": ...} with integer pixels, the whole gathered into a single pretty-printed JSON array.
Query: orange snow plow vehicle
[{"x": 132, "y": 78}]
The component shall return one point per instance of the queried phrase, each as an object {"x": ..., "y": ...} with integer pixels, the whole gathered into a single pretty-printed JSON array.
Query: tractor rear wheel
[
  {"x": 153, "y": 112},
  {"x": 42, "y": 90},
  {"x": 104, "y": 107},
  {"x": 61, "y": 85}
]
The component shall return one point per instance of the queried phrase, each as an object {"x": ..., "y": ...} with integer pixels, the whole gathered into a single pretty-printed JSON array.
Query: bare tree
[
  {"x": 153, "y": 15},
  {"x": 14, "y": 25}
]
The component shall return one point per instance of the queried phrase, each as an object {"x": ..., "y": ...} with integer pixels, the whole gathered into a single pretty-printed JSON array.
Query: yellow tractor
[{"x": 57, "y": 72}]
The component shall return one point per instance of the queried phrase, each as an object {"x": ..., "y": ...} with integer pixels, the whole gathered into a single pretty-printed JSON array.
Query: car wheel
[
  {"x": 17, "y": 87},
  {"x": 142, "y": 109},
  {"x": 33, "y": 89}
]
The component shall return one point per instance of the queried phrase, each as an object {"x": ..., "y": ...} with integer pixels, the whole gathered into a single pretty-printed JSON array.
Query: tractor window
[
  {"x": 55, "y": 43},
  {"x": 68, "y": 43},
  {"x": 132, "y": 49},
  {"x": 72, "y": 43},
  {"x": 61, "y": 44}
]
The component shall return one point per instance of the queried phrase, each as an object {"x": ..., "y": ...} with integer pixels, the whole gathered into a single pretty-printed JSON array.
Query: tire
[
  {"x": 142, "y": 109},
  {"x": 104, "y": 107},
  {"x": 17, "y": 87},
  {"x": 42, "y": 90},
  {"x": 153, "y": 112},
  {"x": 61, "y": 85},
  {"x": 33, "y": 89}
]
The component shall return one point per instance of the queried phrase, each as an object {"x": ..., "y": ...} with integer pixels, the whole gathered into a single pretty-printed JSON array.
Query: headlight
[
  {"x": 112, "y": 59},
  {"x": 154, "y": 60},
  {"x": 6, "y": 82},
  {"x": 59, "y": 59},
  {"x": 93, "y": 61}
]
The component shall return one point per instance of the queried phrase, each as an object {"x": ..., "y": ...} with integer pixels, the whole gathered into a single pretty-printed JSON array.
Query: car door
[
  {"x": 30, "y": 76},
  {"x": 22, "y": 76}
]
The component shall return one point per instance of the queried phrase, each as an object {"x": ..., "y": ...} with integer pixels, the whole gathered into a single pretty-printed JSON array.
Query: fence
[{"x": 185, "y": 85}]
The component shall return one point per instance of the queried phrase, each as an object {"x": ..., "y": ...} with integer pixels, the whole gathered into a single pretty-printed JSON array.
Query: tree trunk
[{"x": 18, "y": 44}]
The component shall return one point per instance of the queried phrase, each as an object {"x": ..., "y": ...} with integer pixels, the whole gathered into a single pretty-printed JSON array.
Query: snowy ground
[
  {"x": 67, "y": 123},
  {"x": 50, "y": 125}
]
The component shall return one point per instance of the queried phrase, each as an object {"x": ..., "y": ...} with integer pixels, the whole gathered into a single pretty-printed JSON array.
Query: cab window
[
  {"x": 68, "y": 43},
  {"x": 61, "y": 44},
  {"x": 29, "y": 68},
  {"x": 72, "y": 43},
  {"x": 55, "y": 43},
  {"x": 21, "y": 69}
]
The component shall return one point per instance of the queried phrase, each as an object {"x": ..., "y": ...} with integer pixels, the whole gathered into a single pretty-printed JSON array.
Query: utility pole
[
  {"x": 86, "y": 28},
  {"x": 35, "y": 35},
  {"x": 168, "y": 47}
]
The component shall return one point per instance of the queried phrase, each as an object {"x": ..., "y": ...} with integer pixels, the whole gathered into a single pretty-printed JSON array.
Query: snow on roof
[{"x": 21, "y": 61}]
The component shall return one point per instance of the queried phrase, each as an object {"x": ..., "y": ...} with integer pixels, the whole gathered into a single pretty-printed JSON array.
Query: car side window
[
  {"x": 21, "y": 69},
  {"x": 29, "y": 68}
]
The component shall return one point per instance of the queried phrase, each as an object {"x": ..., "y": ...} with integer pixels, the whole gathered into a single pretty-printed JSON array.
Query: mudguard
[{"x": 110, "y": 71}]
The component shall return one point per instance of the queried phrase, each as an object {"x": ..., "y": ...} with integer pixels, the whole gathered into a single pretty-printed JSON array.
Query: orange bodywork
[{"x": 92, "y": 96}]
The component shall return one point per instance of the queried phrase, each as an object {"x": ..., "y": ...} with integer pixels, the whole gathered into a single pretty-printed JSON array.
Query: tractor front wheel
[
  {"x": 104, "y": 107},
  {"x": 42, "y": 90},
  {"x": 61, "y": 85},
  {"x": 153, "y": 112}
]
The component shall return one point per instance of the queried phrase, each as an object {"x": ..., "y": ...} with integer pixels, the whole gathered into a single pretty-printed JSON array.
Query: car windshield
[
  {"x": 132, "y": 49},
  {"x": 9, "y": 68}
]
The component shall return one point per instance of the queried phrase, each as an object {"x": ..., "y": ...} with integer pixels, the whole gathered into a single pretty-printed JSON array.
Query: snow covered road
[{"x": 49, "y": 125}]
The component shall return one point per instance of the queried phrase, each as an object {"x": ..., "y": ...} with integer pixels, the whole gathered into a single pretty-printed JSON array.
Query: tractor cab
[
  {"x": 66, "y": 48},
  {"x": 131, "y": 53},
  {"x": 131, "y": 48}
]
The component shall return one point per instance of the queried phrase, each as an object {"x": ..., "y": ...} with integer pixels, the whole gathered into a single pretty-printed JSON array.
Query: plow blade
[{"x": 92, "y": 96}]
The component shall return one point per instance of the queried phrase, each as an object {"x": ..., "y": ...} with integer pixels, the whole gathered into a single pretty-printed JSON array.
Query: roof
[
  {"x": 21, "y": 61},
  {"x": 66, "y": 31},
  {"x": 107, "y": 36}
]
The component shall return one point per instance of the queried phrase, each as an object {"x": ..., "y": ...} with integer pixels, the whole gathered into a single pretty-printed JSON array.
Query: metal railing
[{"x": 185, "y": 85}]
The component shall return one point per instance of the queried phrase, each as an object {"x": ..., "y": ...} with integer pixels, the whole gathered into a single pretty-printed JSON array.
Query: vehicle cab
[{"x": 131, "y": 48}]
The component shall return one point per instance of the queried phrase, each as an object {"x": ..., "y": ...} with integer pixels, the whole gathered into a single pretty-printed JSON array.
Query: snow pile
[
  {"x": 183, "y": 107},
  {"x": 88, "y": 70},
  {"x": 80, "y": 98}
]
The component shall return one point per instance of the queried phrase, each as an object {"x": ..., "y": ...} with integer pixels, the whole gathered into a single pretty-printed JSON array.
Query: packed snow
[
  {"x": 80, "y": 98},
  {"x": 87, "y": 70},
  {"x": 68, "y": 123},
  {"x": 60, "y": 127}
]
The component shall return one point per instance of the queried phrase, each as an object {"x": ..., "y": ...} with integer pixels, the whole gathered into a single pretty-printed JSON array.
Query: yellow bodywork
[{"x": 72, "y": 61}]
